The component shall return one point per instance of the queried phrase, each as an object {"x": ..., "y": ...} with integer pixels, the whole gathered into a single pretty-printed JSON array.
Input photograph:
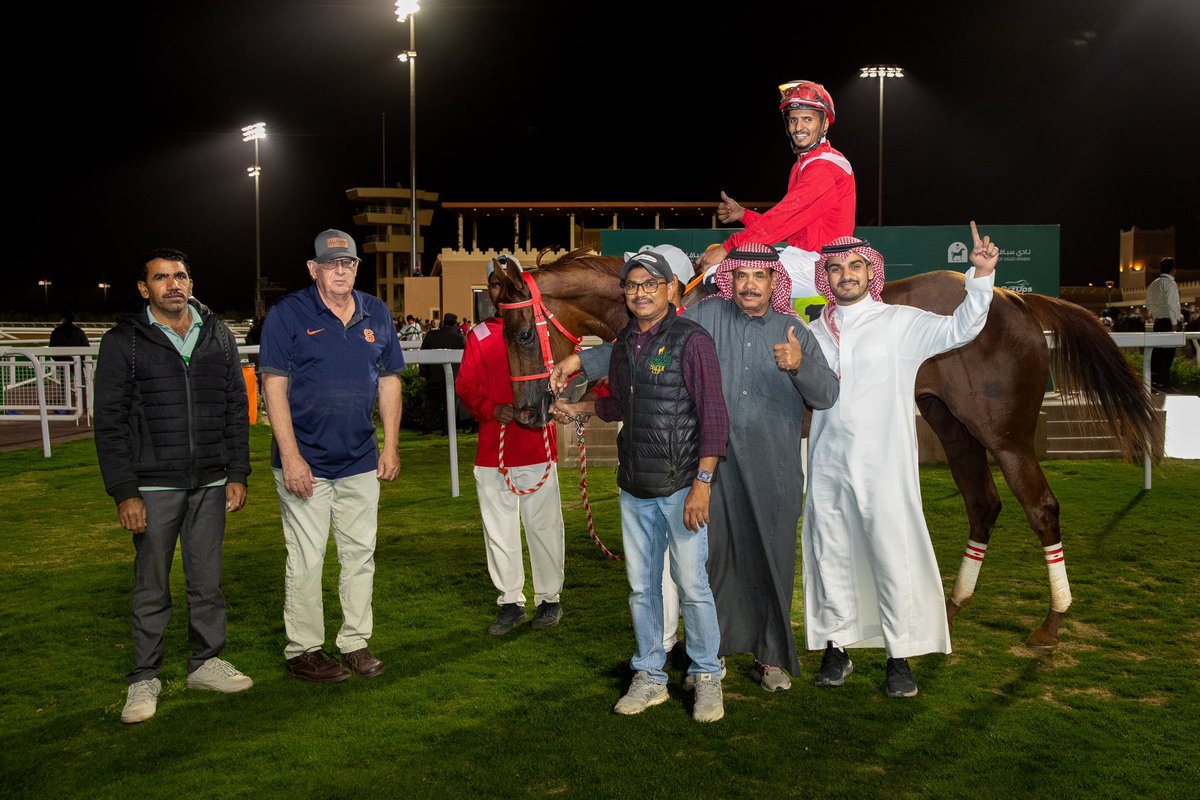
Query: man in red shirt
[
  {"x": 517, "y": 484},
  {"x": 819, "y": 204}
]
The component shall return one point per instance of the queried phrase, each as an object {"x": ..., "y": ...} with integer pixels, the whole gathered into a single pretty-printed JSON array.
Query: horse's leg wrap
[
  {"x": 968, "y": 573},
  {"x": 1060, "y": 589}
]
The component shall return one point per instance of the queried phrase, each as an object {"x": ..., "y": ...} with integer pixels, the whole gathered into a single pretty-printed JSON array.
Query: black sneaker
[
  {"x": 548, "y": 615},
  {"x": 835, "y": 666},
  {"x": 511, "y": 615},
  {"x": 900, "y": 681}
]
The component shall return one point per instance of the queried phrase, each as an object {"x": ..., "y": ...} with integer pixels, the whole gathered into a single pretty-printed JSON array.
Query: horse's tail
[{"x": 1090, "y": 372}]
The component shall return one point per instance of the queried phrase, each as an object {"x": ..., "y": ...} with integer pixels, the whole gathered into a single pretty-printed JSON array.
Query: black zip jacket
[{"x": 161, "y": 421}]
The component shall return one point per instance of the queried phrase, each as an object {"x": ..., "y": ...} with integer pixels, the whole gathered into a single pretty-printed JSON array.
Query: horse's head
[{"x": 535, "y": 340}]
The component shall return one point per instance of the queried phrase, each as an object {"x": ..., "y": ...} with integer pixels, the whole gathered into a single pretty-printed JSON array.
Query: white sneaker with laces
[
  {"x": 141, "y": 701},
  {"x": 219, "y": 676},
  {"x": 710, "y": 700},
  {"x": 642, "y": 694},
  {"x": 689, "y": 682}
]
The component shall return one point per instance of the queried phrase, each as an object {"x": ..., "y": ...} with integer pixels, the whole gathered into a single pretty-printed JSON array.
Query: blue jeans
[{"x": 649, "y": 528}]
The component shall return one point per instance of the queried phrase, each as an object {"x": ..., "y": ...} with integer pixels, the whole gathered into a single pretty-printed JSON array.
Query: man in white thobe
[{"x": 870, "y": 575}]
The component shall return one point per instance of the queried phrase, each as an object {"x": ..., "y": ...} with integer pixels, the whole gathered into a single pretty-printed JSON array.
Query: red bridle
[{"x": 541, "y": 315}]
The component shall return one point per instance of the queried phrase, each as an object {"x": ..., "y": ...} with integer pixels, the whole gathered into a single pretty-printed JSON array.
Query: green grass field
[{"x": 1112, "y": 713}]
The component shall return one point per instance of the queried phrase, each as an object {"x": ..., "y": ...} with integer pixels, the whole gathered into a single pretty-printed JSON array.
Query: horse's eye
[{"x": 524, "y": 337}]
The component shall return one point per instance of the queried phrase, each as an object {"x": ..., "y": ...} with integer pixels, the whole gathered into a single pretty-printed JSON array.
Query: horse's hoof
[{"x": 1042, "y": 640}]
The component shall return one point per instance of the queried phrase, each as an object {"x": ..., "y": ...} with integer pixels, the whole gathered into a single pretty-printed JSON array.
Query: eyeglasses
[
  {"x": 650, "y": 286},
  {"x": 348, "y": 264}
]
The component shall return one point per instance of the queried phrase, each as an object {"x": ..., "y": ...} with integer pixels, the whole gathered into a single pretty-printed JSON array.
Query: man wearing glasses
[
  {"x": 666, "y": 386},
  {"x": 327, "y": 353}
]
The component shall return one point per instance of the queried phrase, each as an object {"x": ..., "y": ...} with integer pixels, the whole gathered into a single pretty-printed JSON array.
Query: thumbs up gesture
[
  {"x": 729, "y": 210},
  {"x": 789, "y": 354}
]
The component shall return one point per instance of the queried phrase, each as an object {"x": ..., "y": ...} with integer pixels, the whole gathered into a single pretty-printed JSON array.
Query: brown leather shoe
[
  {"x": 316, "y": 667},
  {"x": 362, "y": 662}
]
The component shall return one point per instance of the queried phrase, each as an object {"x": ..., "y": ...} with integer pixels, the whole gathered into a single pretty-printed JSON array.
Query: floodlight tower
[
  {"x": 406, "y": 11},
  {"x": 882, "y": 73},
  {"x": 253, "y": 133}
]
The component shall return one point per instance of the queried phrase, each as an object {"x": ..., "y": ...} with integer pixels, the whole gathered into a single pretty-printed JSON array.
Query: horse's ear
[{"x": 510, "y": 270}]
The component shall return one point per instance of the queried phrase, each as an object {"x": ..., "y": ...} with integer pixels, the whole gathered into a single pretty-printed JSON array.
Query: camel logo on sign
[{"x": 956, "y": 253}]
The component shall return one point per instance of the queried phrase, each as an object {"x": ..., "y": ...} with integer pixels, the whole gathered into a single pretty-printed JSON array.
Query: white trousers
[
  {"x": 670, "y": 606},
  {"x": 503, "y": 513},
  {"x": 350, "y": 507}
]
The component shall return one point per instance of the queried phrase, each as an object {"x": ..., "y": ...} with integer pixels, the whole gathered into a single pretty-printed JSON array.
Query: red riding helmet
[{"x": 805, "y": 94}]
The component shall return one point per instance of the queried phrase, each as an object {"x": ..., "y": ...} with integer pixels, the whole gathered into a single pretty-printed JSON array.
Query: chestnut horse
[{"x": 981, "y": 399}]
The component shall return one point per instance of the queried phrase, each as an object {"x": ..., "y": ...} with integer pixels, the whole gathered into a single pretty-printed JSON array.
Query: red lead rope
[
  {"x": 583, "y": 493},
  {"x": 587, "y": 506},
  {"x": 504, "y": 470}
]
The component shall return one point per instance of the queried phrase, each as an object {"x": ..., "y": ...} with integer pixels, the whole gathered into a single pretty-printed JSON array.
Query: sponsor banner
[{"x": 1029, "y": 254}]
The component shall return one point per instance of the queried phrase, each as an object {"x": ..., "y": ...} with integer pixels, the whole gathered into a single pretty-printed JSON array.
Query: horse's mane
[{"x": 580, "y": 257}]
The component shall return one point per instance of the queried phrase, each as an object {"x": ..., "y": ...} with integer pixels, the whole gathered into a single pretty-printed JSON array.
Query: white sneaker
[
  {"x": 219, "y": 676},
  {"x": 141, "y": 702},
  {"x": 642, "y": 694},
  {"x": 710, "y": 702},
  {"x": 689, "y": 682}
]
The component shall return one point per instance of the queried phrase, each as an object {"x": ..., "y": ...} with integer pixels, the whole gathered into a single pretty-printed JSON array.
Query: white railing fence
[{"x": 41, "y": 383}]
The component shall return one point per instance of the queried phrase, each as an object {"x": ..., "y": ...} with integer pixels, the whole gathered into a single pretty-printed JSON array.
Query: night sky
[{"x": 124, "y": 121}]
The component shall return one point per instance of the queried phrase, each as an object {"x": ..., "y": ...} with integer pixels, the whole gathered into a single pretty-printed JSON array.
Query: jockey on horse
[{"x": 819, "y": 204}]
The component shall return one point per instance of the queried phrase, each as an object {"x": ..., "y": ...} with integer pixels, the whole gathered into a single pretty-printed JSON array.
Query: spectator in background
[
  {"x": 447, "y": 337},
  {"x": 253, "y": 337},
  {"x": 411, "y": 331},
  {"x": 68, "y": 334},
  {"x": 1130, "y": 321},
  {"x": 1162, "y": 302}
]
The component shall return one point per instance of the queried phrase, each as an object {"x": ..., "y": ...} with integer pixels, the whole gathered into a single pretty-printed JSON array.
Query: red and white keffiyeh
[
  {"x": 839, "y": 247},
  {"x": 756, "y": 256}
]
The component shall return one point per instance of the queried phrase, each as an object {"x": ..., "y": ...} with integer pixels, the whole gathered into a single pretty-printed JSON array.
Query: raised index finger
[{"x": 975, "y": 234}]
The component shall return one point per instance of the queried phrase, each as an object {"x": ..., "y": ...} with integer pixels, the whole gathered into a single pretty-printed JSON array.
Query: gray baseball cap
[{"x": 333, "y": 244}]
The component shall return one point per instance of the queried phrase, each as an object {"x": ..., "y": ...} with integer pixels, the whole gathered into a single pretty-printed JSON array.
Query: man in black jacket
[
  {"x": 173, "y": 442},
  {"x": 447, "y": 337}
]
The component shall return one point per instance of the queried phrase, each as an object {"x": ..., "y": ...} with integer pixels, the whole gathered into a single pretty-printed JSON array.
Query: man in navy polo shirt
[{"x": 327, "y": 352}]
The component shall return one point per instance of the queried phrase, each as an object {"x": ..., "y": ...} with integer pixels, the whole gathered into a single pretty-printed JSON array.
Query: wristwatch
[{"x": 704, "y": 476}]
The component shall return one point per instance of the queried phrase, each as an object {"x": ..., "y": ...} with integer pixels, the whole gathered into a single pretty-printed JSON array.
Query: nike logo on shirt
[{"x": 314, "y": 333}]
